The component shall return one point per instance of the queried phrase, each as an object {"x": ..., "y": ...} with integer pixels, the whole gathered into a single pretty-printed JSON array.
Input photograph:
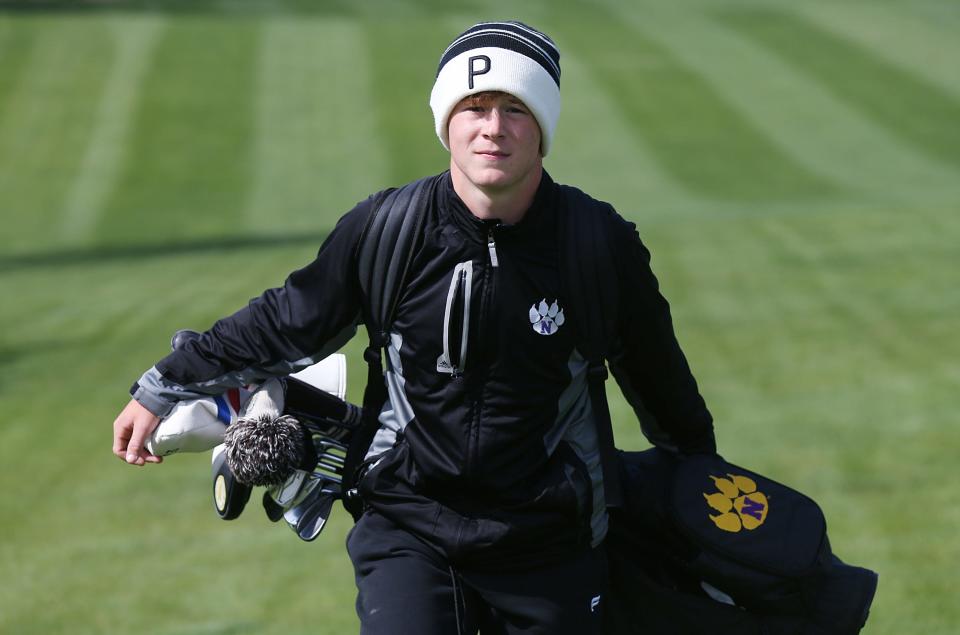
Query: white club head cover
[
  {"x": 195, "y": 425},
  {"x": 266, "y": 402},
  {"x": 329, "y": 375}
]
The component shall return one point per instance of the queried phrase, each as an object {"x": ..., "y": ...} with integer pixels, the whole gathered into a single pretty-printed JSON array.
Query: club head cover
[
  {"x": 267, "y": 401},
  {"x": 230, "y": 496},
  {"x": 267, "y": 451},
  {"x": 194, "y": 425},
  {"x": 328, "y": 375}
]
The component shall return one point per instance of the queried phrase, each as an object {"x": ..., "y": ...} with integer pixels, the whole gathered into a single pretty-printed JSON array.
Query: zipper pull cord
[{"x": 492, "y": 248}]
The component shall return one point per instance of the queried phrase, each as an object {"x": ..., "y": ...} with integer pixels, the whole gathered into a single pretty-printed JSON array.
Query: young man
[{"x": 483, "y": 494}]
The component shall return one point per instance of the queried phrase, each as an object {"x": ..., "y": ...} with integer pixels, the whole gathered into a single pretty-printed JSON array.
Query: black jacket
[{"x": 487, "y": 447}]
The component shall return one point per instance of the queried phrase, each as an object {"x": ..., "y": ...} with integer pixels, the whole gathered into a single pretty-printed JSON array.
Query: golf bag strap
[
  {"x": 374, "y": 396},
  {"x": 384, "y": 254},
  {"x": 386, "y": 249},
  {"x": 589, "y": 273},
  {"x": 596, "y": 382}
]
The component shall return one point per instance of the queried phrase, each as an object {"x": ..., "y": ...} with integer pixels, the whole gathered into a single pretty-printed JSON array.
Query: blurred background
[{"x": 793, "y": 167}]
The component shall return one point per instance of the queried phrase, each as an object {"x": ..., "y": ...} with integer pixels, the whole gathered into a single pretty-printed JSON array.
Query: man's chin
[{"x": 494, "y": 178}]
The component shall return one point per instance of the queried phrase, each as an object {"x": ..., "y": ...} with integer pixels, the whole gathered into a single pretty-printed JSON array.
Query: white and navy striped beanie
[{"x": 500, "y": 56}]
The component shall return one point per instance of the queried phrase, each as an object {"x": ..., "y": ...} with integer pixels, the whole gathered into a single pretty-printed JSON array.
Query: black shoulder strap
[
  {"x": 386, "y": 249},
  {"x": 384, "y": 254},
  {"x": 589, "y": 276}
]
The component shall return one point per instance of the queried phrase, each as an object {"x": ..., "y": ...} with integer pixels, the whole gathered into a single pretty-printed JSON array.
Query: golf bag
[{"x": 705, "y": 546}]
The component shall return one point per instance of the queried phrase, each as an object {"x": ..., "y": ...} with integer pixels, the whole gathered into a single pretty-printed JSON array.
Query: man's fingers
[
  {"x": 132, "y": 453},
  {"x": 122, "y": 427},
  {"x": 135, "y": 452},
  {"x": 130, "y": 431},
  {"x": 120, "y": 446}
]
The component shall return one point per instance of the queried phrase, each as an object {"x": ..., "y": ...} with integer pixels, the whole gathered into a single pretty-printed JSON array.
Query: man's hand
[{"x": 130, "y": 431}]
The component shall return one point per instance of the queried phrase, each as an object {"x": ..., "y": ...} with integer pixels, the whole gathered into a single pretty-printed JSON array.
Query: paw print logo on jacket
[
  {"x": 740, "y": 505},
  {"x": 546, "y": 320}
]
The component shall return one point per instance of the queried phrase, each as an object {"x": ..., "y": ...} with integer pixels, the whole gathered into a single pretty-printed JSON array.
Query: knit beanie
[{"x": 500, "y": 56}]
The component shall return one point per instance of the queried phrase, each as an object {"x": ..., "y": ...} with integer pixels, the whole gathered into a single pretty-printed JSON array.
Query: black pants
[{"x": 406, "y": 587}]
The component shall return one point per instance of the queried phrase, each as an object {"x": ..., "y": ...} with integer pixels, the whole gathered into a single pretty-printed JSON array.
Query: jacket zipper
[
  {"x": 492, "y": 248},
  {"x": 489, "y": 280}
]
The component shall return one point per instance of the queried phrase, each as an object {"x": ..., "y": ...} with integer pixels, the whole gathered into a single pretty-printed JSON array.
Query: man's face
[{"x": 494, "y": 141}]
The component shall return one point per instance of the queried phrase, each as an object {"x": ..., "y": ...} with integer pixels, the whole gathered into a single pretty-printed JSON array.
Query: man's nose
[{"x": 493, "y": 123}]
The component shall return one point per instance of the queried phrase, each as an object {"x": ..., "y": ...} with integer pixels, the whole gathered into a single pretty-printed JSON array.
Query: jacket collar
[{"x": 478, "y": 228}]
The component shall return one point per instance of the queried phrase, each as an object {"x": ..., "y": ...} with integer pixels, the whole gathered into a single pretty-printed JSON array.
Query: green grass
[
  {"x": 896, "y": 99},
  {"x": 707, "y": 145},
  {"x": 190, "y": 180},
  {"x": 793, "y": 168}
]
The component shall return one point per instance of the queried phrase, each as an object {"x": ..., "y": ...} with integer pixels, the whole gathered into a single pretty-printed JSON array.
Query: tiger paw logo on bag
[{"x": 740, "y": 505}]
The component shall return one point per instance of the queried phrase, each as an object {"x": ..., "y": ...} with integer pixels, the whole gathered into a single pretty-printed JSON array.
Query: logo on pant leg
[
  {"x": 740, "y": 505},
  {"x": 546, "y": 320}
]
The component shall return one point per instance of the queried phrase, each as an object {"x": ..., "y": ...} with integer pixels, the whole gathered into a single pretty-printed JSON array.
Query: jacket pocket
[{"x": 456, "y": 321}]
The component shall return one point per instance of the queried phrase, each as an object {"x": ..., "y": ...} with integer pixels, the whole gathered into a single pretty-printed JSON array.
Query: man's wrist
[{"x": 157, "y": 405}]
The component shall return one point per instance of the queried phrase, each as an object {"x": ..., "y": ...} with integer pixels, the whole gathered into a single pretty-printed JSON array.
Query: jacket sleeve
[
  {"x": 287, "y": 328},
  {"x": 646, "y": 359}
]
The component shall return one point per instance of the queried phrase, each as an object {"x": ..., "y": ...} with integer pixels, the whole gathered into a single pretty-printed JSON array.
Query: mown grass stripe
[
  {"x": 943, "y": 13},
  {"x": 190, "y": 142},
  {"x": 403, "y": 53},
  {"x": 897, "y": 34},
  {"x": 17, "y": 38},
  {"x": 908, "y": 106},
  {"x": 316, "y": 148},
  {"x": 135, "y": 38},
  {"x": 45, "y": 119},
  {"x": 803, "y": 118},
  {"x": 860, "y": 275},
  {"x": 608, "y": 160},
  {"x": 807, "y": 247},
  {"x": 694, "y": 133},
  {"x": 72, "y": 257}
]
